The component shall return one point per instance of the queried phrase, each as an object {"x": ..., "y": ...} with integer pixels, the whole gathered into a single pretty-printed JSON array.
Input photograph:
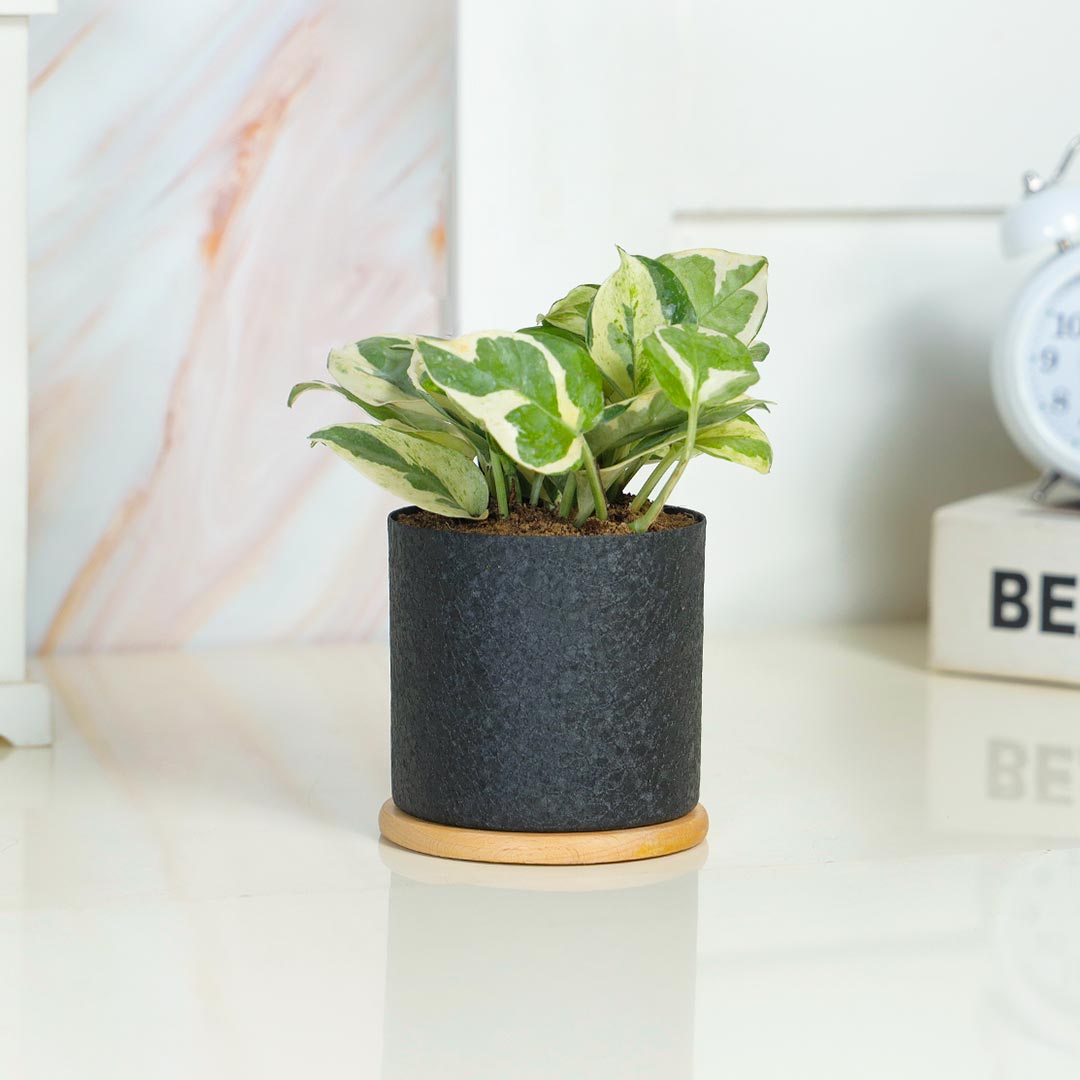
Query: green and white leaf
[
  {"x": 624, "y": 421},
  {"x": 728, "y": 433},
  {"x": 729, "y": 291},
  {"x": 390, "y": 371},
  {"x": 433, "y": 477},
  {"x": 416, "y": 416},
  {"x": 640, "y": 296},
  {"x": 571, "y": 312},
  {"x": 657, "y": 442},
  {"x": 695, "y": 366},
  {"x": 740, "y": 440},
  {"x": 377, "y": 370},
  {"x": 536, "y": 394},
  {"x": 444, "y": 436},
  {"x": 374, "y": 411}
]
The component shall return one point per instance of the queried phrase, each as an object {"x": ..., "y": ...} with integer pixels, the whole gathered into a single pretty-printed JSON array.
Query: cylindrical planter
[{"x": 546, "y": 684}]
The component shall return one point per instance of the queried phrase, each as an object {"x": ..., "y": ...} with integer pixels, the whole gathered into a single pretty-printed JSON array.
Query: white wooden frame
[{"x": 24, "y": 706}]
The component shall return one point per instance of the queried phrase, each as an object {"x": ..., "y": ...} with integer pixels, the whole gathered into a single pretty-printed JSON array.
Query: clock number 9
[
  {"x": 1068, "y": 324},
  {"x": 1048, "y": 359}
]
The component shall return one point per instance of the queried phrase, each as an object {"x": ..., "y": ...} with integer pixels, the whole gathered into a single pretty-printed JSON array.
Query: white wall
[{"x": 868, "y": 150}]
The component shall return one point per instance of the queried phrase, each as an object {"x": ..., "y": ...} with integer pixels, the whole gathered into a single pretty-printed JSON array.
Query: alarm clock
[{"x": 1036, "y": 364}]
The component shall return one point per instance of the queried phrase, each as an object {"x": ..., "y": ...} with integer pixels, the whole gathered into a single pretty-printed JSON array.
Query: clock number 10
[{"x": 1068, "y": 324}]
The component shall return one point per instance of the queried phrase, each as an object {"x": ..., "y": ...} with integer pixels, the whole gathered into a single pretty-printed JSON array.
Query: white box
[{"x": 1004, "y": 596}]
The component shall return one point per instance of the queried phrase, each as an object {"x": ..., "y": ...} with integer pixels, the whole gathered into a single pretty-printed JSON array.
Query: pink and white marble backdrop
[{"x": 219, "y": 192}]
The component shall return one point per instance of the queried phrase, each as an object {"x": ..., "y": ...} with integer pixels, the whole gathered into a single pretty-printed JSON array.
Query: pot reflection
[{"x": 540, "y": 971}]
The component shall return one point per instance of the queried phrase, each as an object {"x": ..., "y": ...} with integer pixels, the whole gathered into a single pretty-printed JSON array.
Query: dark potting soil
[{"x": 536, "y": 521}]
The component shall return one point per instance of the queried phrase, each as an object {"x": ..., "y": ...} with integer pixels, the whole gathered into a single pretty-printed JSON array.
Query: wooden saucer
[{"x": 543, "y": 849}]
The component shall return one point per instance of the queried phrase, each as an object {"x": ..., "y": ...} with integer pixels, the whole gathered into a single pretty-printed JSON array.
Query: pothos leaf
[
  {"x": 657, "y": 441},
  {"x": 534, "y": 393},
  {"x": 624, "y": 421},
  {"x": 388, "y": 370},
  {"x": 694, "y": 366},
  {"x": 376, "y": 412},
  {"x": 377, "y": 370},
  {"x": 552, "y": 331},
  {"x": 728, "y": 291},
  {"x": 725, "y": 432},
  {"x": 640, "y": 296},
  {"x": 445, "y": 436},
  {"x": 740, "y": 440},
  {"x": 571, "y": 311},
  {"x": 434, "y": 477}
]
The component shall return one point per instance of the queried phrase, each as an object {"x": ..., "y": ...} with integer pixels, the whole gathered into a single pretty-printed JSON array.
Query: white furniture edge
[{"x": 25, "y": 714}]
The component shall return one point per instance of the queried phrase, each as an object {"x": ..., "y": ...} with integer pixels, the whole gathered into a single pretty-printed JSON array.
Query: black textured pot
[{"x": 546, "y": 684}]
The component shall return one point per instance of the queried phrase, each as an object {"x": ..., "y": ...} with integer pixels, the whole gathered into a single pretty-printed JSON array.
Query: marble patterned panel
[{"x": 218, "y": 193}]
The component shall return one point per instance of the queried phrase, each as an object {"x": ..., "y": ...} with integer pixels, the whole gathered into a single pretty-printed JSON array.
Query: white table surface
[{"x": 192, "y": 885}]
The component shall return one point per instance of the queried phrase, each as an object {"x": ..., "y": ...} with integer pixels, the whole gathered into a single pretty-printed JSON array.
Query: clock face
[
  {"x": 1037, "y": 367},
  {"x": 1052, "y": 361}
]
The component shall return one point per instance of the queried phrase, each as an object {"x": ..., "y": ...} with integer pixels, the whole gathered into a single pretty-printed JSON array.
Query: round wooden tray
[{"x": 543, "y": 849}]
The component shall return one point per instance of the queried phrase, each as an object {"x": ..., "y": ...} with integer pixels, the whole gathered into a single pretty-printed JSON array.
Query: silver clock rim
[{"x": 1009, "y": 365}]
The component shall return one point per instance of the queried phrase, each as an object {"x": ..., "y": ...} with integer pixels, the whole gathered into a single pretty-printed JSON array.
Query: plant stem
[
  {"x": 567, "y": 500},
  {"x": 654, "y": 478},
  {"x": 599, "y": 501},
  {"x": 500, "y": 484},
  {"x": 618, "y": 485},
  {"x": 643, "y": 522},
  {"x": 537, "y": 487}
]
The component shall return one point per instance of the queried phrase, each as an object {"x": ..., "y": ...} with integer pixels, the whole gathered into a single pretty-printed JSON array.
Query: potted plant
[{"x": 545, "y": 624}]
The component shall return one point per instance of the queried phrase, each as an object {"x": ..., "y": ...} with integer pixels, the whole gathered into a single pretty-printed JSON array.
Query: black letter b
[{"x": 1013, "y": 599}]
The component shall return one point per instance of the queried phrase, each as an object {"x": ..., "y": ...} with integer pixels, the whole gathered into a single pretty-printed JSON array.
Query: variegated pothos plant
[{"x": 642, "y": 372}]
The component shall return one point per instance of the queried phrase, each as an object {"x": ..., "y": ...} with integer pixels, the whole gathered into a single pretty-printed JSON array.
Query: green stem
[
  {"x": 537, "y": 487},
  {"x": 614, "y": 490},
  {"x": 642, "y": 523},
  {"x": 567, "y": 500},
  {"x": 500, "y": 484},
  {"x": 599, "y": 501},
  {"x": 654, "y": 478}
]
